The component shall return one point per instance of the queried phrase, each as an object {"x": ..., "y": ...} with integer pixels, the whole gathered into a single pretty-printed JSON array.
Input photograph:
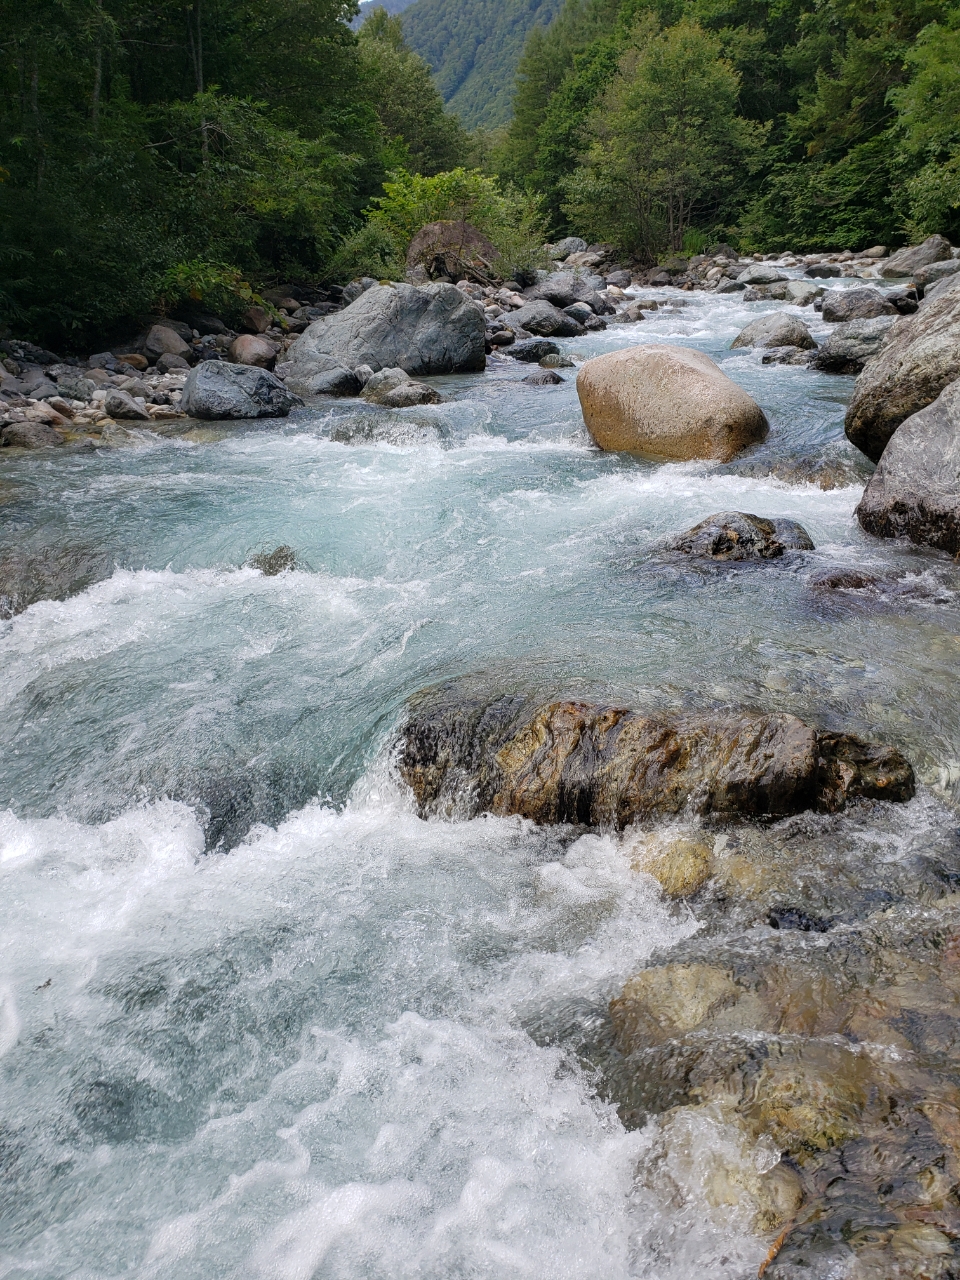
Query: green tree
[
  {"x": 420, "y": 135},
  {"x": 666, "y": 142}
]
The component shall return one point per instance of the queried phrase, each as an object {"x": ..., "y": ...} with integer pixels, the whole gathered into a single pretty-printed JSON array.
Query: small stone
[
  {"x": 737, "y": 535},
  {"x": 121, "y": 404},
  {"x": 543, "y": 378},
  {"x": 681, "y": 864},
  {"x": 533, "y": 350},
  {"x": 168, "y": 362},
  {"x": 272, "y": 563}
]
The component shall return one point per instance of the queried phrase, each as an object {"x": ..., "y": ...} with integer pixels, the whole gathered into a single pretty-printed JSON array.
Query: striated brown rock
[
  {"x": 607, "y": 766},
  {"x": 667, "y": 402},
  {"x": 921, "y": 356}
]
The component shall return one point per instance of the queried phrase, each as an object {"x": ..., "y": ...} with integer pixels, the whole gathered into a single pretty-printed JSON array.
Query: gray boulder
[
  {"x": 840, "y": 305},
  {"x": 915, "y": 490},
  {"x": 121, "y": 404},
  {"x": 75, "y": 387},
  {"x": 395, "y": 389},
  {"x": 786, "y": 355},
  {"x": 163, "y": 339},
  {"x": 542, "y": 378},
  {"x": 906, "y": 262},
  {"x": 852, "y": 344},
  {"x": 824, "y": 270},
  {"x": 938, "y": 290},
  {"x": 580, "y": 311},
  {"x": 737, "y": 535},
  {"x": 533, "y": 350},
  {"x": 801, "y": 292},
  {"x": 564, "y": 288},
  {"x": 543, "y": 318},
  {"x": 570, "y": 244},
  {"x": 919, "y": 358},
  {"x": 936, "y": 271},
  {"x": 422, "y": 329},
  {"x": 217, "y": 390},
  {"x": 335, "y": 380},
  {"x": 29, "y": 435},
  {"x": 760, "y": 273},
  {"x": 726, "y": 285},
  {"x": 776, "y": 330}
]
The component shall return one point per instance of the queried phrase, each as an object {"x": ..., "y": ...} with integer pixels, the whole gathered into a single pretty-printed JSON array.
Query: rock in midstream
[
  {"x": 608, "y": 766},
  {"x": 667, "y": 402},
  {"x": 737, "y": 535}
]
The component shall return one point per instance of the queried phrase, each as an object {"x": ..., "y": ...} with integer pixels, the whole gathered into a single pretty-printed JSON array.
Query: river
[{"x": 257, "y": 1020}]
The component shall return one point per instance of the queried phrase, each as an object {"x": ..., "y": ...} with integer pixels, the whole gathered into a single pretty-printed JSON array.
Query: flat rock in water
[
  {"x": 424, "y": 330},
  {"x": 543, "y": 378},
  {"x": 776, "y": 330},
  {"x": 737, "y": 535},
  {"x": 920, "y": 357},
  {"x": 851, "y": 344},
  {"x": 855, "y": 304},
  {"x": 915, "y": 490},
  {"x": 218, "y": 391},
  {"x": 667, "y": 402},
  {"x": 608, "y": 766}
]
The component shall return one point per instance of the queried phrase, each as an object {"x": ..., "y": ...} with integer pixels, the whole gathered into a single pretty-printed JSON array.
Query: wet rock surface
[
  {"x": 49, "y": 573},
  {"x": 851, "y": 344},
  {"x": 777, "y": 330},
  {"x": 737, "y": 535},
  {"x": 218, "y": 391},
  {"x": 605, "y": 766}
]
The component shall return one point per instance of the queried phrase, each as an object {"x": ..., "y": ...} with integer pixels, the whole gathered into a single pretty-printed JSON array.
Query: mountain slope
[{"x": 473, "y": 47}]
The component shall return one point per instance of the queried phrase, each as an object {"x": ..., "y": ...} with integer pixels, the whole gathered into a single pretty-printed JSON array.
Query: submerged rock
[
  {"x": 50, "y": 573},
  {"x": 217, "y": 391},
  {"x": 609, "y": 766},
  {"x": 915, "y": 490},
  {"x": 543, "y": 378},
  {"x": 920, "y": 357},
  {"x": 737, "y": 535},
  {"x": 272, "y": 563},
  {"x": 667, "y": 402}
]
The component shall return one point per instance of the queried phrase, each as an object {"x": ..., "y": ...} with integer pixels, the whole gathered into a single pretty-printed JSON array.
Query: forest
[{"x": 150, "y": 155}]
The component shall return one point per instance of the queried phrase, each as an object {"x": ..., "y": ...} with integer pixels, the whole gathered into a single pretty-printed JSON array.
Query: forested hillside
[
  {"x": 473, "y": 47},
  {"x": 154, "y": 153},
  {"x": 654, "y": 123}
]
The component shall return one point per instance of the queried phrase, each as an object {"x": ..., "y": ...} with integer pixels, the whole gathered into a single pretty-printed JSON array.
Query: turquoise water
[{"x": 303, "y": 1053}]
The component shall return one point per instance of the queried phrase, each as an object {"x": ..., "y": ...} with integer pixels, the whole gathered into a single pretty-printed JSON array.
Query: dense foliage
[
  {"x": 151, "y": 152},
  {"x": 808, "y": 123},
  {"x": 473, "y": 47}
]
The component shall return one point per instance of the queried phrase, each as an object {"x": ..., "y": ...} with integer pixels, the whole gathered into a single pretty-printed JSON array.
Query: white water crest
[{"x": 257, "y": 1018}]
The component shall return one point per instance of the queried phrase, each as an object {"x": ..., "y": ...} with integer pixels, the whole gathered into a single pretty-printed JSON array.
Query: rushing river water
[{"x": 259, "y": 1020}]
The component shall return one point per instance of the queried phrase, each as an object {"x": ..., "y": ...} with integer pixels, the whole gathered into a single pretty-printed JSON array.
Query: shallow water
[{"x": 339, "y": 1044}]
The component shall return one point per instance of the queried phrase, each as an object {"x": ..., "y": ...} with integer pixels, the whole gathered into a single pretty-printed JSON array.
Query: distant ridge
[{"x": 473, "y": 48}]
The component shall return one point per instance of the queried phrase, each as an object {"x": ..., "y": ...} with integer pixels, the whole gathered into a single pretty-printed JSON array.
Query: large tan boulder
[{"x": 666, "y": 402}]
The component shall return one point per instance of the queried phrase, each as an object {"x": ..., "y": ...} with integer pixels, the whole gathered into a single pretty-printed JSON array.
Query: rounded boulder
[{"x": 665, "y": 402}]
